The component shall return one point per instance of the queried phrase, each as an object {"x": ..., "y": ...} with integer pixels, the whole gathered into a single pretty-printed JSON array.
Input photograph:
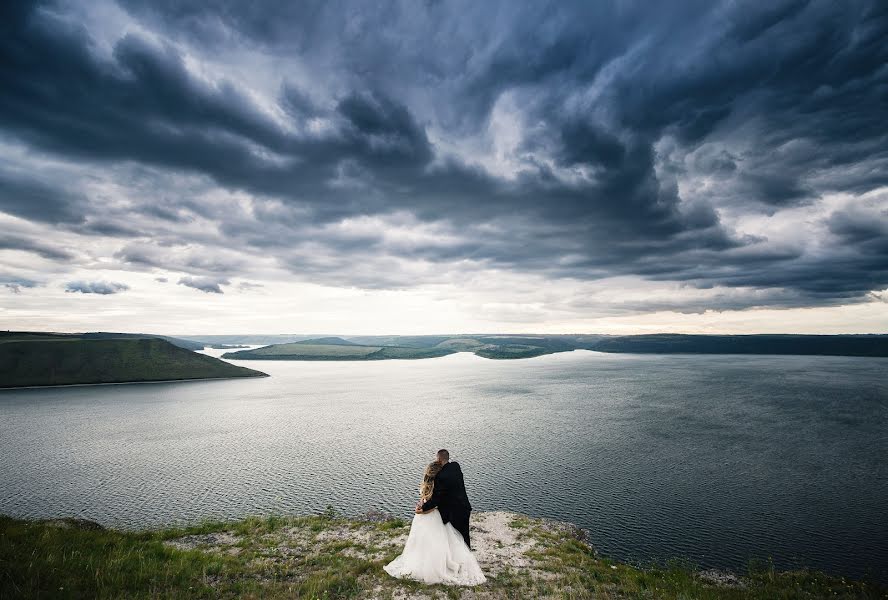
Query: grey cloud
[
  {"x": 173, "y": 256},
  {"x": 385, "y": 130},
  {"x": 167, "y": 213},
  {"x": 103, "y": 288},
  {"x": 25, "y": 197},
  {"x": 862, "y": 229},
  {"x": 15, "y": 284},
  {"x": 106, "y": 227},
  {"x": 641, "y": 124},
  {"x": 204, "y": 284},
  {"x": 27, "y": 244}
]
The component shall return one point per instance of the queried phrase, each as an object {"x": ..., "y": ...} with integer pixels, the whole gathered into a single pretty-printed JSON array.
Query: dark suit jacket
[{"x": 449, "y": 495}]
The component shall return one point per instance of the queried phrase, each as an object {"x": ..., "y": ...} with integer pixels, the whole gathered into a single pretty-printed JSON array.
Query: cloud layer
[{"x": 734, "y": 153}]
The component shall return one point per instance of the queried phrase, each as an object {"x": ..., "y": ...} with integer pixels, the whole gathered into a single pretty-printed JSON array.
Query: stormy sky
[{"x": 443, "y": 166}]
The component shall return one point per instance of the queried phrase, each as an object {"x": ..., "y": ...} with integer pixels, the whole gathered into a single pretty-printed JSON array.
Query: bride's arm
[{"x": 420, "y": 507}]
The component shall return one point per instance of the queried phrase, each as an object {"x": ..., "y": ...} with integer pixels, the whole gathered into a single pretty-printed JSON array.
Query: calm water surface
[{"x": 717, "y": 459}]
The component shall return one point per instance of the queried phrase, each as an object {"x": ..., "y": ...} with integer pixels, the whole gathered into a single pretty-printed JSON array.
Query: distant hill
[
  {"x": 187, "y": 343},
  {"x": 249, "y": 339},
  {"x": 333, "y": 349},
  {"x": 58, "y": 359},
  {"x": 529, "y": 345},
  {"x": 327, "y": 341},
  {"x": 835, "y": 345},
  {"x": 101, "y": 335},
  {"x": 407, "y": 347}
]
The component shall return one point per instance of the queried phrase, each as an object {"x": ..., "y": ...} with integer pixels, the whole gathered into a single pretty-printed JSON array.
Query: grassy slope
[
  {"x": 327, "y": 557},
  {"x": 50, "y": 361}
]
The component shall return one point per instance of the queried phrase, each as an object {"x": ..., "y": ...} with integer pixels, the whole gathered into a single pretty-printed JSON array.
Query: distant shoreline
[
  {"x": 66, "y": 385},
  {"x": 291, "y": 358},
  {"x": 514, "y": 347}
]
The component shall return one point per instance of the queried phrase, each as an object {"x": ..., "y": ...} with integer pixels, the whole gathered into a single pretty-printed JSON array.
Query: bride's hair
[{"x": 428, "y": 480}]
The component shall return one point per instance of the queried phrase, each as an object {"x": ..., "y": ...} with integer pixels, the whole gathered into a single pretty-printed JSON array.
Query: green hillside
[
  {"x": 304, "y": 351},
  {"x": 329, "y": 341},
  {"x": 48, "y": 359},
  {"x": 98, "y": 335},
  {"x": 403, "y": 352},
  {"x": 334, "y": 349}
]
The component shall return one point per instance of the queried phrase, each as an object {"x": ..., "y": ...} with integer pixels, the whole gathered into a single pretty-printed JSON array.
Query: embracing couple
[{"x": 438, "y": 548}]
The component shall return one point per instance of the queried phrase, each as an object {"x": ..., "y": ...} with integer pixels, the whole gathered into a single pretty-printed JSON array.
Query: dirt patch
[
  {"x": 500, "y": 540},
  {"x": 721, "y": 578},
  {"x": 497, "y": 544},
  {"x": 73, "y": 523},
  {"x": 219, "y": 542}
]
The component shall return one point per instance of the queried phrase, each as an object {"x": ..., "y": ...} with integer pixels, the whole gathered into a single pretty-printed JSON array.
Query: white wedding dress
[{"x": 436, "y": 553}]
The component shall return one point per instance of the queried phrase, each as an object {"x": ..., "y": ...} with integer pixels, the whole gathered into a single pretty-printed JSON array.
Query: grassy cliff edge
[{"x": 325, "y": 556}]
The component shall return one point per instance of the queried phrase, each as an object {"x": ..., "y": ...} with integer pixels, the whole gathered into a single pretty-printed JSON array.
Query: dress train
[{"x": 436, "y": 553}]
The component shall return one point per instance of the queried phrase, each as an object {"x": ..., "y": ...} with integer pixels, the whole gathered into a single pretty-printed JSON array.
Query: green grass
[
  {"x": 38, "y": 560},
  {"x": 49, "y": 361},
  {"x": 325, "y": 556},
  {"x": 575, "y": 566},
  {"x": 44, "y": 560}
]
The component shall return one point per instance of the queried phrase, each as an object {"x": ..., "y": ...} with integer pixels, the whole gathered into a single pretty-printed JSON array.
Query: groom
[{"x": 449, "y": 496}]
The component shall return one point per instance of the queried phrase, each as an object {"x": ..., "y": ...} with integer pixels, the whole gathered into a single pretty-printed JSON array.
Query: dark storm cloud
[
  {"x": 103, "y": 288},
  {"x": 27, "y": 198},
  {"x": 639, "y": 127}
]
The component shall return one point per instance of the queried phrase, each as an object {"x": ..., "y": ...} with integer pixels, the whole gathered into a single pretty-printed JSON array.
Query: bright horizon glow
[{"x": 327, "y": 311}]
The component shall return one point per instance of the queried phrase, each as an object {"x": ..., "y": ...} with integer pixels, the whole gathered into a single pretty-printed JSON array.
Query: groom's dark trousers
[{"x": 449, "y": 497}]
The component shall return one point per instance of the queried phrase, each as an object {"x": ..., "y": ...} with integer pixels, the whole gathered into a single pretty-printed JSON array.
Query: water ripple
[{"x": 716, "y": 459}]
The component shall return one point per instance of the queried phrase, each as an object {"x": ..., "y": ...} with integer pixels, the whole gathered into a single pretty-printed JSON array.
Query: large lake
[{"x": 717, "y": 459}]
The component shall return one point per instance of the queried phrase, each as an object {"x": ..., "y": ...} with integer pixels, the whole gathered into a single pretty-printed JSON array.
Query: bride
[{"x": 435, "y": 552}]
